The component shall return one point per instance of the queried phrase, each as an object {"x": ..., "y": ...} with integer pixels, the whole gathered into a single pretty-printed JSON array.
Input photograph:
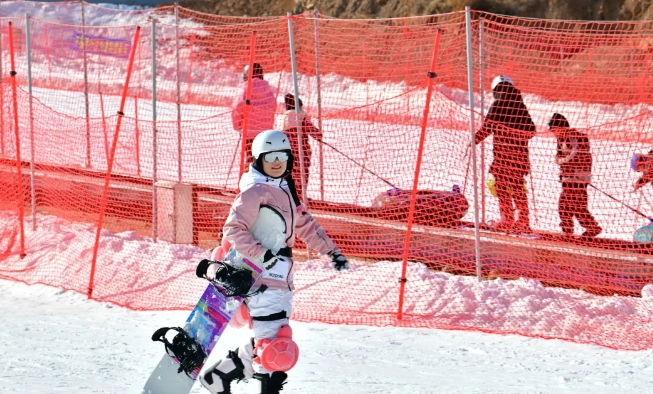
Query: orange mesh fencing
[{"x": 364, "y": 85}]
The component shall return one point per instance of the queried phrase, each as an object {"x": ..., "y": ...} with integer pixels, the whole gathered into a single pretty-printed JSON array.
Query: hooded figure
[
  {"x": 575, "y": 161},
  {"x": 510, "y": 123},
  {"x": 644, "y": 164},
  {"x": 292, "y": 123},
  {"x": 263, "y": 105}
]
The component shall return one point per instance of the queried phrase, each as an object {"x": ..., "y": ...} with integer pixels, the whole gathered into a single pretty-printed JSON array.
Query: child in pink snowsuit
[{"x": 261, "y": 227}]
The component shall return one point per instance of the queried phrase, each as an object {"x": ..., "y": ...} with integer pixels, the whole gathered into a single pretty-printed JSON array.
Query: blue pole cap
[{"x": 633, "y": 161}]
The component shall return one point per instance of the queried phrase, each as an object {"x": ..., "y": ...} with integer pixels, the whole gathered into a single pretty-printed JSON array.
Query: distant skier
[
  {"x": 263, "y": 105},
  {"x": 291, "y": 127},
  {"x": 644, "y": 164},
  {"x": 509, "y": 121},
  {"x": 575, "y": 161},
  {"x": 268, "y": 187}
]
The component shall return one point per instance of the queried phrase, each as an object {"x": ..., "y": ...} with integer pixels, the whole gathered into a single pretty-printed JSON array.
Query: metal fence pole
[
  {"x": 2, "y": 100},
  {"x": 28, "y": 39},
  {"x": 293, "y": 63},
  {"x": 88, "y": 124},
  {"x": 472, "y": 130},
  {"x": 300, "y": 145},
  {"x": 179, "y": 151},
  {"x": 481, "y": 62},
  {"x": 319, "y": 100},
  {"x": 155, "y": 207}
]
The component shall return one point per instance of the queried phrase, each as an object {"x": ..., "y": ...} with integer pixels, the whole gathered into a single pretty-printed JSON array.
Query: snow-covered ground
[{"x": 54, "y": 341}]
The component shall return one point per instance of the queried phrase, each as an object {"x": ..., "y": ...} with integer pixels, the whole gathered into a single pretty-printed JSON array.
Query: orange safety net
[{"x": 363, "y": 85}]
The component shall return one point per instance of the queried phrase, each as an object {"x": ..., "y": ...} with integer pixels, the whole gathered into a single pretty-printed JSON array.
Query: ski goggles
[{"x": 270, "y": 157}]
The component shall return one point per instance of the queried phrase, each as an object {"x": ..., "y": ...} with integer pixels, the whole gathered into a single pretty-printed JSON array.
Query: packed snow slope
[{"x": 56, "y": 341}]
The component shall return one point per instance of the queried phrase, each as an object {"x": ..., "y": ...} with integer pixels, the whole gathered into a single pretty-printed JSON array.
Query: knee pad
[
  {"x": 279, "y": 354},
  {"x": 241, "y": 318}
]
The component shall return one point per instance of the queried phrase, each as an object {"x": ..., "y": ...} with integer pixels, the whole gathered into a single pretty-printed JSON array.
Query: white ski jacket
[{"x": 264, "y": 216}]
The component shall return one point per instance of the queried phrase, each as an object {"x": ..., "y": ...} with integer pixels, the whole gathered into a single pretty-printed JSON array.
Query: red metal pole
[
  {"x": 413, "y": 196},
  {"x": 107, "y": 178},
  {"x": 248, "y": 97},
  {"x": 19, "y": 176}
]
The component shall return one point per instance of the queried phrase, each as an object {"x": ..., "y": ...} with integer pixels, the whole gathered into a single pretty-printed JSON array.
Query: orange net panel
[{"x": 363, "y": 87}]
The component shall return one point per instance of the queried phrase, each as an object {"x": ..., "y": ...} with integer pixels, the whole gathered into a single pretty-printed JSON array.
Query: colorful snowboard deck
[{"x": 206, "y": 323}]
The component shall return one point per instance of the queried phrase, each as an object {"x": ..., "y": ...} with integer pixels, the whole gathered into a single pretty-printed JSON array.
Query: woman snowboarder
[{"x": 261, "y": 227}]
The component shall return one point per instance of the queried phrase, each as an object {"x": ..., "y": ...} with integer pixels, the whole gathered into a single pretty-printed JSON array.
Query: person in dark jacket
[
  {"x": 291, "y": 124},
  {"x": 510, "y": 123},
  {"x": 643, "y": 163},
  {"x": 575, "y": 161}
]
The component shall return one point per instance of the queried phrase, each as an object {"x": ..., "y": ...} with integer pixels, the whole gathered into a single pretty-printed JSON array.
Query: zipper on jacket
[
  {"x": 292, "y": 263},
  {"x": 292, "y": 215}
]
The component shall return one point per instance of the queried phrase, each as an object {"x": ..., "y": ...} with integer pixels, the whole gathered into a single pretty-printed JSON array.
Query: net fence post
[
  {"x": 112, "y": 155},
  {"x": 19, "y": 162},
  {"x": 2, "y": 98},
  {"x": 319, "y": 99},
  {"x": 86, "y": 103},
  {"x": 481, "y": 63},
  {"x": 413, "y": 196},
  {"x": 155, "y": 203},
  {"x": 472, "y": 130},
  {"x": 179, "y": 150},
  {"x": 28, "y": 47},
  {"x": 293, "y": 64},
  {"x": 248, "y": 103},
  {"x": 300, "y": 143}
]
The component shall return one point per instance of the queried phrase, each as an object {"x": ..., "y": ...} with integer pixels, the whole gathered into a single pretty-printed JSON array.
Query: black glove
[{"x": 338, "y": 261}]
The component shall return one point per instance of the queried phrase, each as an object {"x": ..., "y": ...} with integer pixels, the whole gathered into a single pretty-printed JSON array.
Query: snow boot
[
  {"x": 271, "y": 383},
  {"x": 592, "y": 232},
  {"x": 218, "y": 378}
]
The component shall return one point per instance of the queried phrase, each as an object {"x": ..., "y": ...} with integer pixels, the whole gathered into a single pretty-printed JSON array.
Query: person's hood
[
  {"x": 253, "y": 177},
  {"x": 508, "y": 94}
]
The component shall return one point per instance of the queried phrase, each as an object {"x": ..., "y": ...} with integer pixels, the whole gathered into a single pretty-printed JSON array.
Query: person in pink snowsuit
[
  {"x": 263, "y": 105},
  {"x": 261, "y": 227}
]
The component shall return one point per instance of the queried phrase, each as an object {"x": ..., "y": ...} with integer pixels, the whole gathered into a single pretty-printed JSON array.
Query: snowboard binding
[
  {"x": 228, "y": 280},
  {"x": 185, "y": 349}
]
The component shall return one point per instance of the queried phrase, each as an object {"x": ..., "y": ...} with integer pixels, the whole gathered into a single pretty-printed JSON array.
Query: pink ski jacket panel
[
  {"x": 258, "y": 190},
  {"x": 262, "y": 108}
]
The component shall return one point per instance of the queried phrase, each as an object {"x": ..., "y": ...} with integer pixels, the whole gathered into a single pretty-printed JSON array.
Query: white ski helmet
[
  {"x": 271, "y": 141},
  {"x": 501, "y": 79},
  {"x": 257, "y": 71},
  {"x": 500, "y": 85}
]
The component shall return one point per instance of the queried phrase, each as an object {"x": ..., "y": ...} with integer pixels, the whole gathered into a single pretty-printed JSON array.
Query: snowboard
[
  {"x": 211, "y": 315},
  {"x": 199, "y": 335}
]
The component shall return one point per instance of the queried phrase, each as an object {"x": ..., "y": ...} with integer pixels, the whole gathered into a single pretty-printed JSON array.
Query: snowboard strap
[
  {"x": 185, "y": 349},
  {"x": 275, "y": 316}
]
